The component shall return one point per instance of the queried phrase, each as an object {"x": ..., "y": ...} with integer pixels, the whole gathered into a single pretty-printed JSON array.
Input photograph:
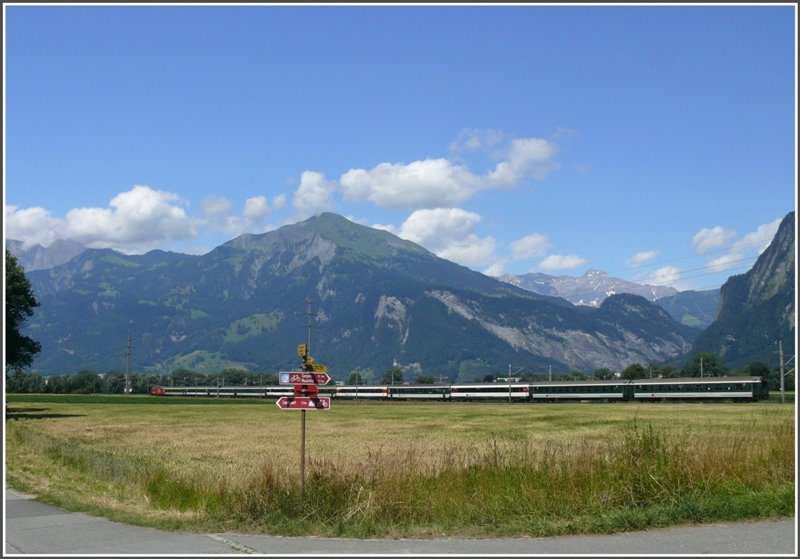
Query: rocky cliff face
[
  {"x": 757, "y": 308},
  {"x": 37, "y": 257}
]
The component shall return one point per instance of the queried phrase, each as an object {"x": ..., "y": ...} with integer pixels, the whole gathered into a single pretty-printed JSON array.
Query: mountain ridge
[{"x": 378, "y": 298}]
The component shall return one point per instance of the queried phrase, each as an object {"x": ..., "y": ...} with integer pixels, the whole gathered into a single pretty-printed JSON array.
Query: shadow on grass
[{"x": 36, "y": 413}]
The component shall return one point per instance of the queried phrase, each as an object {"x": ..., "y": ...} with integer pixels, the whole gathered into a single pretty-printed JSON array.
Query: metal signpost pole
[
  {"x": 303, "y": 414},
  {"x": 302, "y": 453}
]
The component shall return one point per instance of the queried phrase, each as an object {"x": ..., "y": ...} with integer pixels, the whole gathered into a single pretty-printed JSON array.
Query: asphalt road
[{"x": 33, "y": 528}]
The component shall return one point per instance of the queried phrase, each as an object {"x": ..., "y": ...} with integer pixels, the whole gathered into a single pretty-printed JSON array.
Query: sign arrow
[
  {"x": 304, "y": 403},
  {"x": 303, "y": 377}
]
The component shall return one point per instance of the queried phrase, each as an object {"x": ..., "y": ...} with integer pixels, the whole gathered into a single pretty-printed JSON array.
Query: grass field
[{"x": 391, "y": 469}]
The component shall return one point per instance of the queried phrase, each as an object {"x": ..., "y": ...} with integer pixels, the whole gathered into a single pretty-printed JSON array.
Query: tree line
[{"x": 114, "y": 382}]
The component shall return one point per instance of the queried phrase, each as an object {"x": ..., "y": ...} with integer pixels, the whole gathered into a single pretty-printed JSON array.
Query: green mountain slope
[
  {"x": 377, "y": 299},
  {"x": 697, "y": 309}
]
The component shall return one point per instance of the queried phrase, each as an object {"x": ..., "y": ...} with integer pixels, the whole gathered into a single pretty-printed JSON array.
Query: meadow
[{"x": 393, "y": 469}]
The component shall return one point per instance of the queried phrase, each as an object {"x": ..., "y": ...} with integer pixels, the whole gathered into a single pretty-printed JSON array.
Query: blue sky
[{"x": 656, "y": 143}]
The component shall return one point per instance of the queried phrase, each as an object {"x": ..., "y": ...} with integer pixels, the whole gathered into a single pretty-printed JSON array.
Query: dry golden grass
[
  {"x": 231, "y": 441},
  {"x": 383, "y": 448}
]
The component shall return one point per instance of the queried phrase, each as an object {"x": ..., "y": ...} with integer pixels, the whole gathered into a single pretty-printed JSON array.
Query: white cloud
[
  {"x": 709, "y": 238},
  {"x": 216, "y": 206},
  {"x": 279, "y": 201},
  {"x": 530, "y": 246},
  {"x": 495, "y": 270},
  {"x": 435, "y": 183},
  {"x": 641, "y": 257},
  {"x": 218, "y": 215},
  {"x": 726, "y": 262},
  {"x": 737, "y": 258},
  {"x": 31, "y": 225},
  {"x": 760, "y": 238},
  {"x": 139, "y": 219},
  {"x": 666, "y": 275},
  {"x": 439, "y": 227},
  {"x": 256, "y": 209},
  {"x": 135, "y": 221},
  {"x": 421, "y": 184},
  {"x": 528, "y": 157},
  {"x": 449, "y": 233},
  {"x": 472, "y": 251},
  {"x": 561, "y": 262},
  {"x": 314, "y": 195},
  {"x": 474, "y": 140}
]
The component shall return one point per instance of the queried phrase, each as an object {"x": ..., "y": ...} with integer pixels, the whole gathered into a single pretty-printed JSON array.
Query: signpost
[{"x": 306, "y": 393}]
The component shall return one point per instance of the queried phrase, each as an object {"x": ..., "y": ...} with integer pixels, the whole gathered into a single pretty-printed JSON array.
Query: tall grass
[
  {"x": 638, "y": 476},
  {"x": 643, "y": 478}
]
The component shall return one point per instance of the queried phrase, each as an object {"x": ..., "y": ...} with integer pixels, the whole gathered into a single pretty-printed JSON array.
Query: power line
[{"x": 738, "y": 247}]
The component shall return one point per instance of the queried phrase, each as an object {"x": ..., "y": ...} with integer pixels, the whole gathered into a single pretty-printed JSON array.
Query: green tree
[
  {"x": 20, "y": 303},
  {"x": 356, "y": 378},
  {"x": 603, "y": 373},
  {"x": 235, "y": 377},
  {"x": 756, "y": 369},
  {"x": 186, "y": 377},
  {"x": 392, "y": 376},
  {"x": 114, "y": 382},
  {"x": 364, "y": 376},
  {"x": 634, "y": 371},
  {"x": 707, "y": 365},
  {"x": 666, "y": 371},
  {"x": 424, "y": 379},
  {"x": 265, "y": 378}
]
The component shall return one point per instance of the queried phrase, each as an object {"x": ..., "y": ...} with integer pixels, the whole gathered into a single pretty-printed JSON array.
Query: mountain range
[
  {"x": 692, "y": 308},
  {"x": 590, "y": 289},
  {"x": 365, "y": 299},
  {"x": 375, "y": 299}
]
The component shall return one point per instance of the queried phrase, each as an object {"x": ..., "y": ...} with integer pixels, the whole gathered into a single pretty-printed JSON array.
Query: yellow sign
[
  {"x": 319, "y": 368},
  {"x": 302, "y": 350}
]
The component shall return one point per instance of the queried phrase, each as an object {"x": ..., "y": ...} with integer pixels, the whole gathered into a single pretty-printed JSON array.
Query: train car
[
  {"x": 666, "y": 389},
  {"x": 362, "y": 391},
  {"x": 419, "y": 392},
  {"x": 223, "y": 391},
  {"x": 495, "y": 391},
  {"x": 700, "y": 388},
  {"x": 589, "y": 390}
]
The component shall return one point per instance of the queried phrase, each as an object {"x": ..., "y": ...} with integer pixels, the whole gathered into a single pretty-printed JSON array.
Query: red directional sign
[
  {"x": 304, "y": 403},
  {"x": 302, "y": 377}
]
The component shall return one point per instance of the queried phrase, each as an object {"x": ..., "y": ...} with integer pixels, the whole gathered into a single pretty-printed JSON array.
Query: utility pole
[
  {"x": 701, "y": 367},
  {"x": 549, "y": 373},
  {"x": 780, "y": 353},
  {"x": 128, "y": 368},
  {"x": 509, "y": 380},
  {"x": 309, "y": 314}
]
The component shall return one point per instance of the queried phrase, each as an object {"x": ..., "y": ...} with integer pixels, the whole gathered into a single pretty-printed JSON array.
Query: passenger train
[{"x": 737, "y": 389}]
